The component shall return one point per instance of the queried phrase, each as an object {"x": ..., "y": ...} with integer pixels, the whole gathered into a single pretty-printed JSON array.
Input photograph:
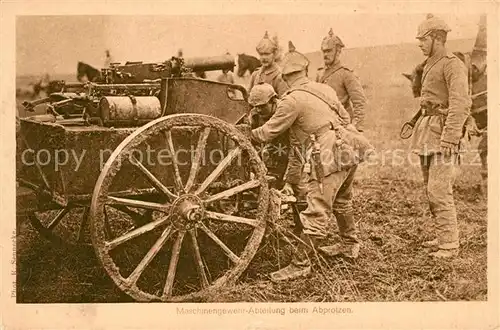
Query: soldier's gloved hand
[
  {"x": 358, "y": 126},
  {"x": 351, "y": 128},
  {"x": 447, "y": 148},
  {"x": 287, "y": 190},
  {"x": 246, "y": 130}
]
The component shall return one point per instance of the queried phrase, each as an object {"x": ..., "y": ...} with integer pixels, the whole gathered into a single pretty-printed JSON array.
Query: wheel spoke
[
  {"x": 231, "y": 218},
  {"x": 132, "y": 279},
  {"x": 234, "y": 258},
  {"x": 199, "y": 262},
  {"x": 172, "y": 268},
  {"x": 171, "y": 150},
  {"x": 138, "y": 218},
  {"x": 83, "y": 224},
  {"x": 195, "y": 166},
  {"x": 135, "y": 232},
  {"x": 233, "y": 191},
  {"x": 219, "y": 169},
  {"x": 151, "y": 178},
  {"x": 112, "y": 201},
  {"x": 126, "y": 210},
  {"x": 59, "y": 216}
]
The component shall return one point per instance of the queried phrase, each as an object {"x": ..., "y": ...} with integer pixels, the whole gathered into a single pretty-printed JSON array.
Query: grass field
[{"x": 391, "y": 212}]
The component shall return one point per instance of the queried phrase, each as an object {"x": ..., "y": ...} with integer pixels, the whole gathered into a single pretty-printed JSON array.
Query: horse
[
  {"x": 247, "y": 63},
  {"x": 84, "y": 70}
]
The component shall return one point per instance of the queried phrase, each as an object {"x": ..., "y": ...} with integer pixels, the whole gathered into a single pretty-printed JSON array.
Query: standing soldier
[
  {"x": 445, "y": 105},
  {"x": 342, "y": 80},
  {"x": 306, "y": 110},
  {"x": 351, "y": 95},
  {"x": 269, "y": 72}
]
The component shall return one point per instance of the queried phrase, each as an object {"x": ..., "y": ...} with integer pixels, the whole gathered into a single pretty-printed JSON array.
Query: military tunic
[
  {"x": 445, "y": 83},
  {"x": 348, "y": 89},
  {"x": 303, "y": 114},
  {"x": 272, "y": 76}
]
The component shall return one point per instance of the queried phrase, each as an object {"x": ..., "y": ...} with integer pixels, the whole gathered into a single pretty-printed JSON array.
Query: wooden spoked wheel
[{"x": 189, "y": 248}]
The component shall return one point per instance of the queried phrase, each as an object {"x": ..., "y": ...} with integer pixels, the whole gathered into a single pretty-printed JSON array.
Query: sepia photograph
[{"x": 261, "y": 159}]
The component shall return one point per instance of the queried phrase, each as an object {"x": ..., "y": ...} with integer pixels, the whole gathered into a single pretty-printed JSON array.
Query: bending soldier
[
  {"x": 306, "y": 112},
  {"x": 269, "y": 72},
  {"x": 445, "y": 106}
]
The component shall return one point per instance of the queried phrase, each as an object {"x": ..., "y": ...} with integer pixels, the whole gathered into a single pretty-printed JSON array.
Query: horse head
[{"x": 83, "y": 70}]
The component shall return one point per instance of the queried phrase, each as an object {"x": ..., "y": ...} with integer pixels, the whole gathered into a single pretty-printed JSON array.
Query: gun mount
[{"x": 124, "y": 95}]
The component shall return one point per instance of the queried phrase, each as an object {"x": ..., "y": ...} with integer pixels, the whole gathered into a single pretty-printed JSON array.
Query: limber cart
[{"x": 174, "y": 197}]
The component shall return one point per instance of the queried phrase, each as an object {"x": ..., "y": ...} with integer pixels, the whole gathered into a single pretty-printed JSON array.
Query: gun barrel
[
  {"x": 210, "y": 63},
  {"x": 32, "y": 104},
  {"x": 125, "y": 86}
]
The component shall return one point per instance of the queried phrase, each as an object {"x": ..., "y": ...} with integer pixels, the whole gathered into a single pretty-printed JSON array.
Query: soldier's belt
[
  {"x": 320, "y": 131},
  {"x": 434, "y": 112}
]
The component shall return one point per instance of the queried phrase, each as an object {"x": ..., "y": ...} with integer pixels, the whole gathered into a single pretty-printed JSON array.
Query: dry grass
[{"x": 391, "y": 211}]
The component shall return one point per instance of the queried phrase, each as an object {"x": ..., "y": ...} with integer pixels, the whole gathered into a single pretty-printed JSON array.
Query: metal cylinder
[
  {"x": 123, "y": 111},
  {"x": 210, "y": 63}
]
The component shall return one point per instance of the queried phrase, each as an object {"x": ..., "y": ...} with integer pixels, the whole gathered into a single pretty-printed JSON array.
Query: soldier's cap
[
  {"x": 261, "y": 94},
  {"x": 431, "y": 23},
  {"x": 331, "y": 41},
  {"x": 293, "y": 61},
  {"x": 266, "y": 45}
]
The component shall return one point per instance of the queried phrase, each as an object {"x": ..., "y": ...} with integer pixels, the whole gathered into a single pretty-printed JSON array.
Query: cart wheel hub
[{"x": 187, "y": 210}]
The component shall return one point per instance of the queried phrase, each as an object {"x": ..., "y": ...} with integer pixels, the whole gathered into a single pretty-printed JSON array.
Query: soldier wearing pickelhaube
[
  {"x": 445, "y": 105},
  {"x": 342, "y": 80},
  {"x": 269, "y": 72},
  {"x": 306, "y": 110}
]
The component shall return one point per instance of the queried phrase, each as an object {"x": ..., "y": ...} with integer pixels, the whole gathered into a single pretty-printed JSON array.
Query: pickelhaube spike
[
  {"x": 266, "y": 45},
  {"x": 293, "y": 61},
  {"x": 331, "y": 41}
]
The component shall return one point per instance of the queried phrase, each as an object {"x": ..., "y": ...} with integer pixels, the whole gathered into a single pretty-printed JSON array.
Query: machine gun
[{"x": 128, "y": 94}]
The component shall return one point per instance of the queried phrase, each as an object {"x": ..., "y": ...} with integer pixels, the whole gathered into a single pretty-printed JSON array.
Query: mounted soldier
[{"x": 444, "y": 108}]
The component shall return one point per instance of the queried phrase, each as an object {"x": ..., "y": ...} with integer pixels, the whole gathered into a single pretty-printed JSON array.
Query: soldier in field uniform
[
  {"x": 269, "y": 72},
  {"x": 445, "y": 104},
  {"x": 351, "y": 95},
  {"x": 306, "y": 110},
  {"x": 342, "y": 80}
]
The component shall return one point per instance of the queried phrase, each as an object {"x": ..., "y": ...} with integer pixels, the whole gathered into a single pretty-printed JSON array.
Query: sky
[{"x": 54, "y": 44}]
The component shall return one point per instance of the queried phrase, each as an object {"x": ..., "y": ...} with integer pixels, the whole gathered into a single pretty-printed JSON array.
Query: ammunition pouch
[{"x": 351, "y": 147}]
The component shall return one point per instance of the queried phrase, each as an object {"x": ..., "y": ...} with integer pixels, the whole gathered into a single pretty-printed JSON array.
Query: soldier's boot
[
  {"x": 301, "y": 264},
  {"x": 430, "y": 244},
  {"x": 349, "y": 250},
  {"x": 298, "y": 207},
  {"x": 444, "y": 254},
  {"x": 349, "y": 246},
  {"x": 484, "y": 184}
]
